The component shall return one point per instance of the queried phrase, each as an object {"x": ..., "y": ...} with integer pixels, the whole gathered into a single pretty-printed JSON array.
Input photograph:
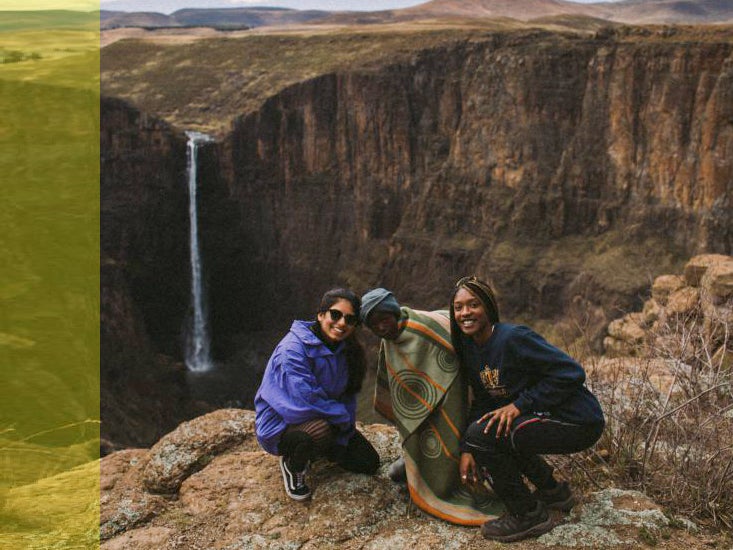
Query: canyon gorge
[{"x": 571, "y": 168}]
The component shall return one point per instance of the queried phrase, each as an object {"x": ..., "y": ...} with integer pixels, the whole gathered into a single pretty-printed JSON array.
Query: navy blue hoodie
[{"x": 516, "y": 365}]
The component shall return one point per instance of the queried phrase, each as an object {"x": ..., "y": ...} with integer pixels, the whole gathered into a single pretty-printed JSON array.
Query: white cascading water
[{"x": 198, "y": 356}]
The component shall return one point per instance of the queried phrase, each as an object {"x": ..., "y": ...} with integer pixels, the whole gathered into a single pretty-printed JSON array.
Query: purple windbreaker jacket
[{"x": 303, "y": 380}]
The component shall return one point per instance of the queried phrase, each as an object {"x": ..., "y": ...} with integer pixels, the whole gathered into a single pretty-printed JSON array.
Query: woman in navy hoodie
[
  {"x": 306, "y": 404},
  {"x": 529, "y": 399}
]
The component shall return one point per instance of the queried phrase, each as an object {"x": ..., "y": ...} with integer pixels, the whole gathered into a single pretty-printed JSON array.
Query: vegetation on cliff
[{"x": 203, "y": 83}]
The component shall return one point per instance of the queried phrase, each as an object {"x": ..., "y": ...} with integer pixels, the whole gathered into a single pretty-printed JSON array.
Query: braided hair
[{"x": 485, "y": 292}]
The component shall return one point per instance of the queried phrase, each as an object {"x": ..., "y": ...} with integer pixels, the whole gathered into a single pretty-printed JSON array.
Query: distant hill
[
  {"x": 218, "y": 17},
  {"x": 116, "y": 19},
  {"x": 628, "y": 11},
  {"x": 673, "y": 11},
  {"x": 516, "y": 9}
]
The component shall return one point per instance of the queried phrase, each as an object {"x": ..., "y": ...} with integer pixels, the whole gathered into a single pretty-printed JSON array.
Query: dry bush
[{"x": 669, "y": 419}]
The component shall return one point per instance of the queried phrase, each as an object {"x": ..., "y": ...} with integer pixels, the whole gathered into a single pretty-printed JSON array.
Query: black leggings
[
  {"x": 304, "y": 442},
  {"x": 505, "y": 460}
]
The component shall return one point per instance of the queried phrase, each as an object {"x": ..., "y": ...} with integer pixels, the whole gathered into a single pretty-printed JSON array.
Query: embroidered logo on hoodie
[{"x": 490, "y": 379}]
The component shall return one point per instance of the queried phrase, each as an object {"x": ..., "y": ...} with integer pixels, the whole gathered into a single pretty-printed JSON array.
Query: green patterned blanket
[{"x": 420, "y": 389}]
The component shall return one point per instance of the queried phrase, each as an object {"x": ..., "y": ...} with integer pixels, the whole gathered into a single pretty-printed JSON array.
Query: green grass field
[{"x": 49, "y": 284}]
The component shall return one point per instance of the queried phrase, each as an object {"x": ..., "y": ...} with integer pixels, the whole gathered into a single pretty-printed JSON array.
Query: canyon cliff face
[
  {"x": 570, "y": 170},
  {"x": 144, "y": 282}
]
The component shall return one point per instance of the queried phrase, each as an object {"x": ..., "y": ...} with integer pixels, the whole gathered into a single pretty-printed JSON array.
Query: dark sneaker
[
  {"x": 397, "y": 471},
  {"x": 295, "y": 485},
  {"x": 511, "y": 527},
  {"x": 559, "y": 498}
]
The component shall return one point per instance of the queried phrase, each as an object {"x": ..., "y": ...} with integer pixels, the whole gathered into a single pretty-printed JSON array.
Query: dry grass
[
  {"x": 61, "y": 511},
  {"x": 202, "y": 78},
  {"x": 205, "y": 84},
  {"x": 669, "y": 426}
]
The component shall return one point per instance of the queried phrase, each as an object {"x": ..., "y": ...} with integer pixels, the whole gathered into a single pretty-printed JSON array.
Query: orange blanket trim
[
  {"x": 407, "y": 389},
  {"x": 430, "y": 333},
  {"x": 423, "y": 505}
]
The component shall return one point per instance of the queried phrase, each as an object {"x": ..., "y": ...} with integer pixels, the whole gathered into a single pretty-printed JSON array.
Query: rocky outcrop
[
  {"x": 703, "y": 296},
  {"x": 192, "y": 445},
  {"x": 235, "y": 500}
]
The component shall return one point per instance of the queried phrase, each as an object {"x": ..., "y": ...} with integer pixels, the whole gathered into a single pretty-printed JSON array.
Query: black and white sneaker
[{"x": 295, "y": 485}]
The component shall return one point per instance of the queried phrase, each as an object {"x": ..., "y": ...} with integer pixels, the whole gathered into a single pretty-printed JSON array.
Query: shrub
[{"x": 669, "y": 419}]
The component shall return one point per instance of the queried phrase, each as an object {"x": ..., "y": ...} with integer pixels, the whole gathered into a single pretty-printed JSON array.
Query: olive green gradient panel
[{"x": 49, "y": 278}]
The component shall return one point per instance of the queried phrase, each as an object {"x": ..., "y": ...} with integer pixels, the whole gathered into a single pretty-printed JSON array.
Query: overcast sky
[{"x": 168, "y": 6}]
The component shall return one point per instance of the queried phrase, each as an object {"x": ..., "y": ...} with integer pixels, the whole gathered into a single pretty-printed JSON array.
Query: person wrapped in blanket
[
  {"x": 420, "y": 389},
  {"x": 305, "y": 406},
  {"x": 529, "y": 399}
]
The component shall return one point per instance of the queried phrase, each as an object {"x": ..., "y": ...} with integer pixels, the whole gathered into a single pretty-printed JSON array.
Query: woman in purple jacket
[{"x": 306, "y": 404}]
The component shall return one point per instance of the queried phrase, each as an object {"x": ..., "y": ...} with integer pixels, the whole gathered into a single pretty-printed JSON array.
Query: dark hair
[
  {"x": 353, "y": 349},
  {"x": 332, "y": 296},
  {"x": 485, "y": 292}
]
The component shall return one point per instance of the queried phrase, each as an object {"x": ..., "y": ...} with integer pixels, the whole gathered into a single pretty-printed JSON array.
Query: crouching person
[
  {"x": 529, "y": 400},
  {"x": 306, "y": 404},
  {"x": 421, "y": 389}
]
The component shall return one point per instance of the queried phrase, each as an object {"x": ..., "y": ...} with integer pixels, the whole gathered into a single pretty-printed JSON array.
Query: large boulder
[
  {"x": 625, "y": 335},
  {"x": 718, "y": 281},
  {"x": 193, "y": 444},
  {"x": 697, "y": 266},
  {"x": 683, "y": 301},
  {"x": 236, "y": 500},
  {"x": 664, "y": 285},
  {"x": 651, "y": 312},
  {"x": 124, "y": 503}
]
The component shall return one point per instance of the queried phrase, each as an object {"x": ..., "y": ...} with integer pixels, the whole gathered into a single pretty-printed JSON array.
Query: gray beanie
[{"x": 379, "y": 299}]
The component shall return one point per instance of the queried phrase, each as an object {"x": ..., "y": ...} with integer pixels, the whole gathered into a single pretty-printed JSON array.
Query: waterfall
[{"x": 198, "y": 357}]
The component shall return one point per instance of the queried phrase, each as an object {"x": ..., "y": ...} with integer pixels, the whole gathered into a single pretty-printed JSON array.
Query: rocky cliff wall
[
  {"x": 144, "y": 276},
  {"x": 570, "y": 170}
]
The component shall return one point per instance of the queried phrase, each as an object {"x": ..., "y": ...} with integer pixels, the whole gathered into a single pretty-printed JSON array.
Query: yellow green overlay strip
[{"x": 49, "y": 275}]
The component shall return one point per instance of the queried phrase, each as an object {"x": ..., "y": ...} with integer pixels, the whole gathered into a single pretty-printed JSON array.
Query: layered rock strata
[{"x": 567, "y": 169}]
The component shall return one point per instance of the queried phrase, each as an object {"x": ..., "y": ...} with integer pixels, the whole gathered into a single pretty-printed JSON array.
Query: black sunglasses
[{"x": 336, "y": 315}]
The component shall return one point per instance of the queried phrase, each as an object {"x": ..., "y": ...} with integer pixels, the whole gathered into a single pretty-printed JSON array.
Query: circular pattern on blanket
[
  {"x": 447, "y": 362},
  {"x": 413, "y": 396},
  {"x": 430, "y": 444}
]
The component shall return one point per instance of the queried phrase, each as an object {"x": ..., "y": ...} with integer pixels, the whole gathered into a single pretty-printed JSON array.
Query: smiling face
[
  {"x": 471, "y": 317},
  {"x": 337, "y": 330},
  {"x": 384, "y": 324}
]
